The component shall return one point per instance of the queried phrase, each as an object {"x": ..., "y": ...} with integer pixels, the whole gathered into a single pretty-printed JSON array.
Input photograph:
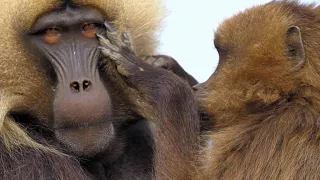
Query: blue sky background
[{"x": 189, "y": 29}]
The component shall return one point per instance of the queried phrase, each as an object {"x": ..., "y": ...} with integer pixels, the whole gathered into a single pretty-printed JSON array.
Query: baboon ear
[{"x": 295, "y": 49}]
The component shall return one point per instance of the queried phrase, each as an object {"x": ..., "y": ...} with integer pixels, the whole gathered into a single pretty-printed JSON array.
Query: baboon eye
[
  {"x": 218, "y": 48},
  {"x": 52, "y": 31},
  {"x": 221, "y": 51},
  {"x": 91, "y": 29},
  {"x": 89, "y": 26},
  {"x": 216, "y": 45},
  {"x": 52, "y": 35}
]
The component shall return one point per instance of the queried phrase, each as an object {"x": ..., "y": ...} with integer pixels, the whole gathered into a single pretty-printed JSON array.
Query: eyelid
[
  {"x": 51, "y": 29},
  {"x": 97, "y": 25},
  {"x": 90, "y": 30},
  {"x": 218, "y": 47},
  {"x": 43, "y": 30}
]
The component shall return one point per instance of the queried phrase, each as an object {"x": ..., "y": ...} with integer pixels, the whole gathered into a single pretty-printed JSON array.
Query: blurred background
[{"x": 189, "y": 29}]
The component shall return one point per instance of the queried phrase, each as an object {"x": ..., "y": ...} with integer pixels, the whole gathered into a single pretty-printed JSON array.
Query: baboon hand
[
  {"x": 170, "y": 64},
  {"x": 119, "y": 50}
]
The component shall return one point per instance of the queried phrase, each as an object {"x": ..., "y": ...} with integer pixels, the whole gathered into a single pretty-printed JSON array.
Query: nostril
[
  {"x": 75, "y": 86},
  {"x": 86, "y": 85}
]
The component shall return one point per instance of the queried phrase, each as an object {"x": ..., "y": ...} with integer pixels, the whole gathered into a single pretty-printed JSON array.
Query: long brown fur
[
  {"x": 266, "y": 109},
  {"x": 24, "y": 88}
]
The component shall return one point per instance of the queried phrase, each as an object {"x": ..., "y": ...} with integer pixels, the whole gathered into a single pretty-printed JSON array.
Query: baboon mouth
[
  {"x": 85, "y": 139},
  {"x": 70, "y": 126}
]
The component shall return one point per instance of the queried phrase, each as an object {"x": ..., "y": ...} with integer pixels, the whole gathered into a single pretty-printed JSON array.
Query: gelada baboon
[
  {"x": 58, "y": 96},
  {"x": 264, "y": 95}
]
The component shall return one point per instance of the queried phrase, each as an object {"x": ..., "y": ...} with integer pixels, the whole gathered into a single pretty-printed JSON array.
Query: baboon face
[
  {"x": 258, "y": 56},
  {"x": 65, "y": 43}
]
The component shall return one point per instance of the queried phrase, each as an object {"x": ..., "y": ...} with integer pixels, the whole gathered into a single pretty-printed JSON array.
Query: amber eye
[
  {"x": 89, "y": 26},
  {"x": 90, "y": 29},
  {"x": 52, "y": 35},
  {"x": 52, "y": 31}
]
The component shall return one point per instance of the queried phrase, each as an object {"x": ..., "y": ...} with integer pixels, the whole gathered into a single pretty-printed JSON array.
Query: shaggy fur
[{"x": 266, "y": 109}]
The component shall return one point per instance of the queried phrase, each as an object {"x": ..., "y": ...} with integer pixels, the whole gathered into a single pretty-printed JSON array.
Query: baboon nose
[{"x": 84, "y": 85}]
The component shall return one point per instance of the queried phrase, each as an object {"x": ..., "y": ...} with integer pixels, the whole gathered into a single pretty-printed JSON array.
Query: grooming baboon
[
  {"x": 264, "y": 95},
  {"x": 58, "y": 95}
]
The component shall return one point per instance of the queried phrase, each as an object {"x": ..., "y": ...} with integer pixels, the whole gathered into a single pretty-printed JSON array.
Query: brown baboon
[
  {"x": 264, "y": 95},
  {"x": 58, "y": 98}
]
